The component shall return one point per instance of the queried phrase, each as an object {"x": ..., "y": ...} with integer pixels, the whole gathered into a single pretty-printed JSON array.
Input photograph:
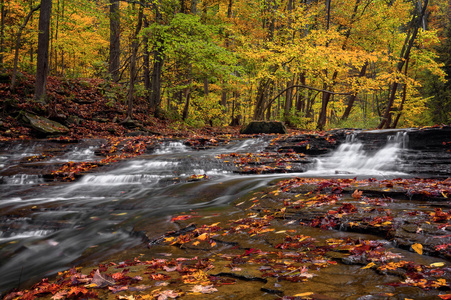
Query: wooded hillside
[{"x": 312, "y": 64}]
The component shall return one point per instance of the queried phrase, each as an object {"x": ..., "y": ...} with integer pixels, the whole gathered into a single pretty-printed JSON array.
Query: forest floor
[
  {"x": 89, "y": 108},
  {"x": 300, "y": 238}
]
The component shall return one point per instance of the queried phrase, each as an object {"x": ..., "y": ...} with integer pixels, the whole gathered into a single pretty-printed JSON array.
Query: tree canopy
[{"x": 313, "y": 64}]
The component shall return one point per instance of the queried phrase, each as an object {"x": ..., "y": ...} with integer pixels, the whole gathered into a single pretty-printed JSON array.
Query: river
[{"x": 47, "y": 227}]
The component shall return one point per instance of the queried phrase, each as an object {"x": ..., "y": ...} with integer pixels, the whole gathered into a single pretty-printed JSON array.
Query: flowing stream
[{"x": 46, "y": 228}]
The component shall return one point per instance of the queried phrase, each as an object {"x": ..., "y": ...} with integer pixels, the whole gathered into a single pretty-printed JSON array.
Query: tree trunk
[
  {"x": 187, "y": 95},
  {"x": 353, "y": 97},
  {"x": 227, "y": 45},
  {"x": 194, "y": 7},
  {"x": 288, "y": 100},
  {"x": 158, "y": 61},
  {"x": 323, "y": 113},
  {"x": 42, "y": 65},
  {"x": 135, "y": 46},
  {"x": 404, "y": 56},
  {"x": 146, "y": 58},
  {"x": 261, "y": 99},
  {"x": 2, "y": 31},
  {"x": 115, "y": 23},
  {"x": 404, "y": 95},
  {"x": 16, "y": 51}
]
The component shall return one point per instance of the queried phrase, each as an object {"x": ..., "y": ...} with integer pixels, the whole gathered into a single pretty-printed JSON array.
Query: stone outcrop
[
  {"x": 268, "y": 127},
  {"x": 45, "y": 126}
]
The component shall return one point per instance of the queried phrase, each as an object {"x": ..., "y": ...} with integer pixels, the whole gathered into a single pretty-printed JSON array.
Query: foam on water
[
  {"x": 22, "y": 179},
  {"x": 351, "y": 158},
  {"x": 172, "y": 147}
]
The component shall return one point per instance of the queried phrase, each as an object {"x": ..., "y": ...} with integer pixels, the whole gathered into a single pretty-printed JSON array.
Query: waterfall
[{"x": 351, "y": 158}]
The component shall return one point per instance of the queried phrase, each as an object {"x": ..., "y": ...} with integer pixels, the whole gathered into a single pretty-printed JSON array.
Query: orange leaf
[
  {"x": 418, "y": 248},
  {"x": 357, "y": 194}
]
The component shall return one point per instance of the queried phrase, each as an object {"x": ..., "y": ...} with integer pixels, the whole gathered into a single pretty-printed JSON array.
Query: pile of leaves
[{"x": 89, "y": 108}]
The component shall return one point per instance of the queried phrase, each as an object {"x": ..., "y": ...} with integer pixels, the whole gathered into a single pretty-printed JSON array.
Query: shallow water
[{"x": 46, "y": 228}]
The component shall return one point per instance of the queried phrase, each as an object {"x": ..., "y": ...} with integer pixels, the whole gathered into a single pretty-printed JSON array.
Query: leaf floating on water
[
  {"x": 437, "y": 265},
  {"x": 207, "y": 289},
  {"x": 120, "y": 214},
  {"x": 445, "y": 296},
  {"x": 181, "y": 218},
  {"x": 307, "y": 294},
  {"x": 130, "y": 297},
  {"x": 418, "y": 248}
]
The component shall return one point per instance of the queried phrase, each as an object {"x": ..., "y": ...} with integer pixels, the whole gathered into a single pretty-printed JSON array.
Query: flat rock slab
[
  {"x": 258, "y": 127},
  {"x": 45, "y": 126}
]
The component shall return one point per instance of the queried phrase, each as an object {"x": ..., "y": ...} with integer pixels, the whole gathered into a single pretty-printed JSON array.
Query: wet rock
[
  {"x": 141, "y": 133},
  {"x": 257, "y": 127},
  {"x": 45, "y": 126},
  {"x": 131, "y": 124}
]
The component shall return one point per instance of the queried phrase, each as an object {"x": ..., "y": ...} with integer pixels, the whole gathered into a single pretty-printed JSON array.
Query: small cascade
[
  {"x": 78, "y": 154},
  {"x": 251, "y": 145},
  {"x": 351, "y": 158},
  {"x": 4, "y": 237},
  {"x": 22, "y": 179},
  {"x": 172, "y": 147},
  {"x": 111, "y": 179}
]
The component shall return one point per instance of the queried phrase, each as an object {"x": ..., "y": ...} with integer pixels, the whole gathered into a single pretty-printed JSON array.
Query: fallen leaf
[
  {"x": 304, "y": 294},
  {"x": 418, "y": 248},
  {"x": 131, "y": 297},
  {"x": 167, "y": 294},
  {"x": 102, "y": 281},
  {"x": 437, "y": 264},
  {"x": 207, "y": 289},
  {"x": 368, "y": 266},
  {"x": 357, "y": 194}
]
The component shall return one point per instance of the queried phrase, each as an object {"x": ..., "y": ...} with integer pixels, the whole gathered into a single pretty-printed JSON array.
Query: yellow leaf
[
  {"x": 418, "y": 248},
  {"x": 437, "y": 264},
  {"x": 370, "y": 265},
  {"x": 281, "y": 231},
  {"x": 196, "y": 243},
  {"x": 308, "y": 146},
  {"x": 304, "y": 294},
  {"x": 169, "y": 239},
  {"x": 203, "y": 236}
]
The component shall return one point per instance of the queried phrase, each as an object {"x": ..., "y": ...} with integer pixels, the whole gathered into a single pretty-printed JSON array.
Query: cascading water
[
  {"x": 351, "y": 158},
  {"x": 100, "y": 209}
]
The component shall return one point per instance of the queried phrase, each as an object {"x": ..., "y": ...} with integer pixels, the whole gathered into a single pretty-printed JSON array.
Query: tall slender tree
[
  {"x": 415, "y": 25},
  {"x": 42, "y": 64},
  {"x": 115, "y": 44}
]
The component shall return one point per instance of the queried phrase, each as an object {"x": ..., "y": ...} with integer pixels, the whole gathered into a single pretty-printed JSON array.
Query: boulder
[
  {"x": 257, "y": 127},
  {"x": 45, "y": 126}
]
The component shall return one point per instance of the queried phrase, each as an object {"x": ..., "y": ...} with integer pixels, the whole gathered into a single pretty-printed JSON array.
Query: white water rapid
[{"x": 351, "y": 158}]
